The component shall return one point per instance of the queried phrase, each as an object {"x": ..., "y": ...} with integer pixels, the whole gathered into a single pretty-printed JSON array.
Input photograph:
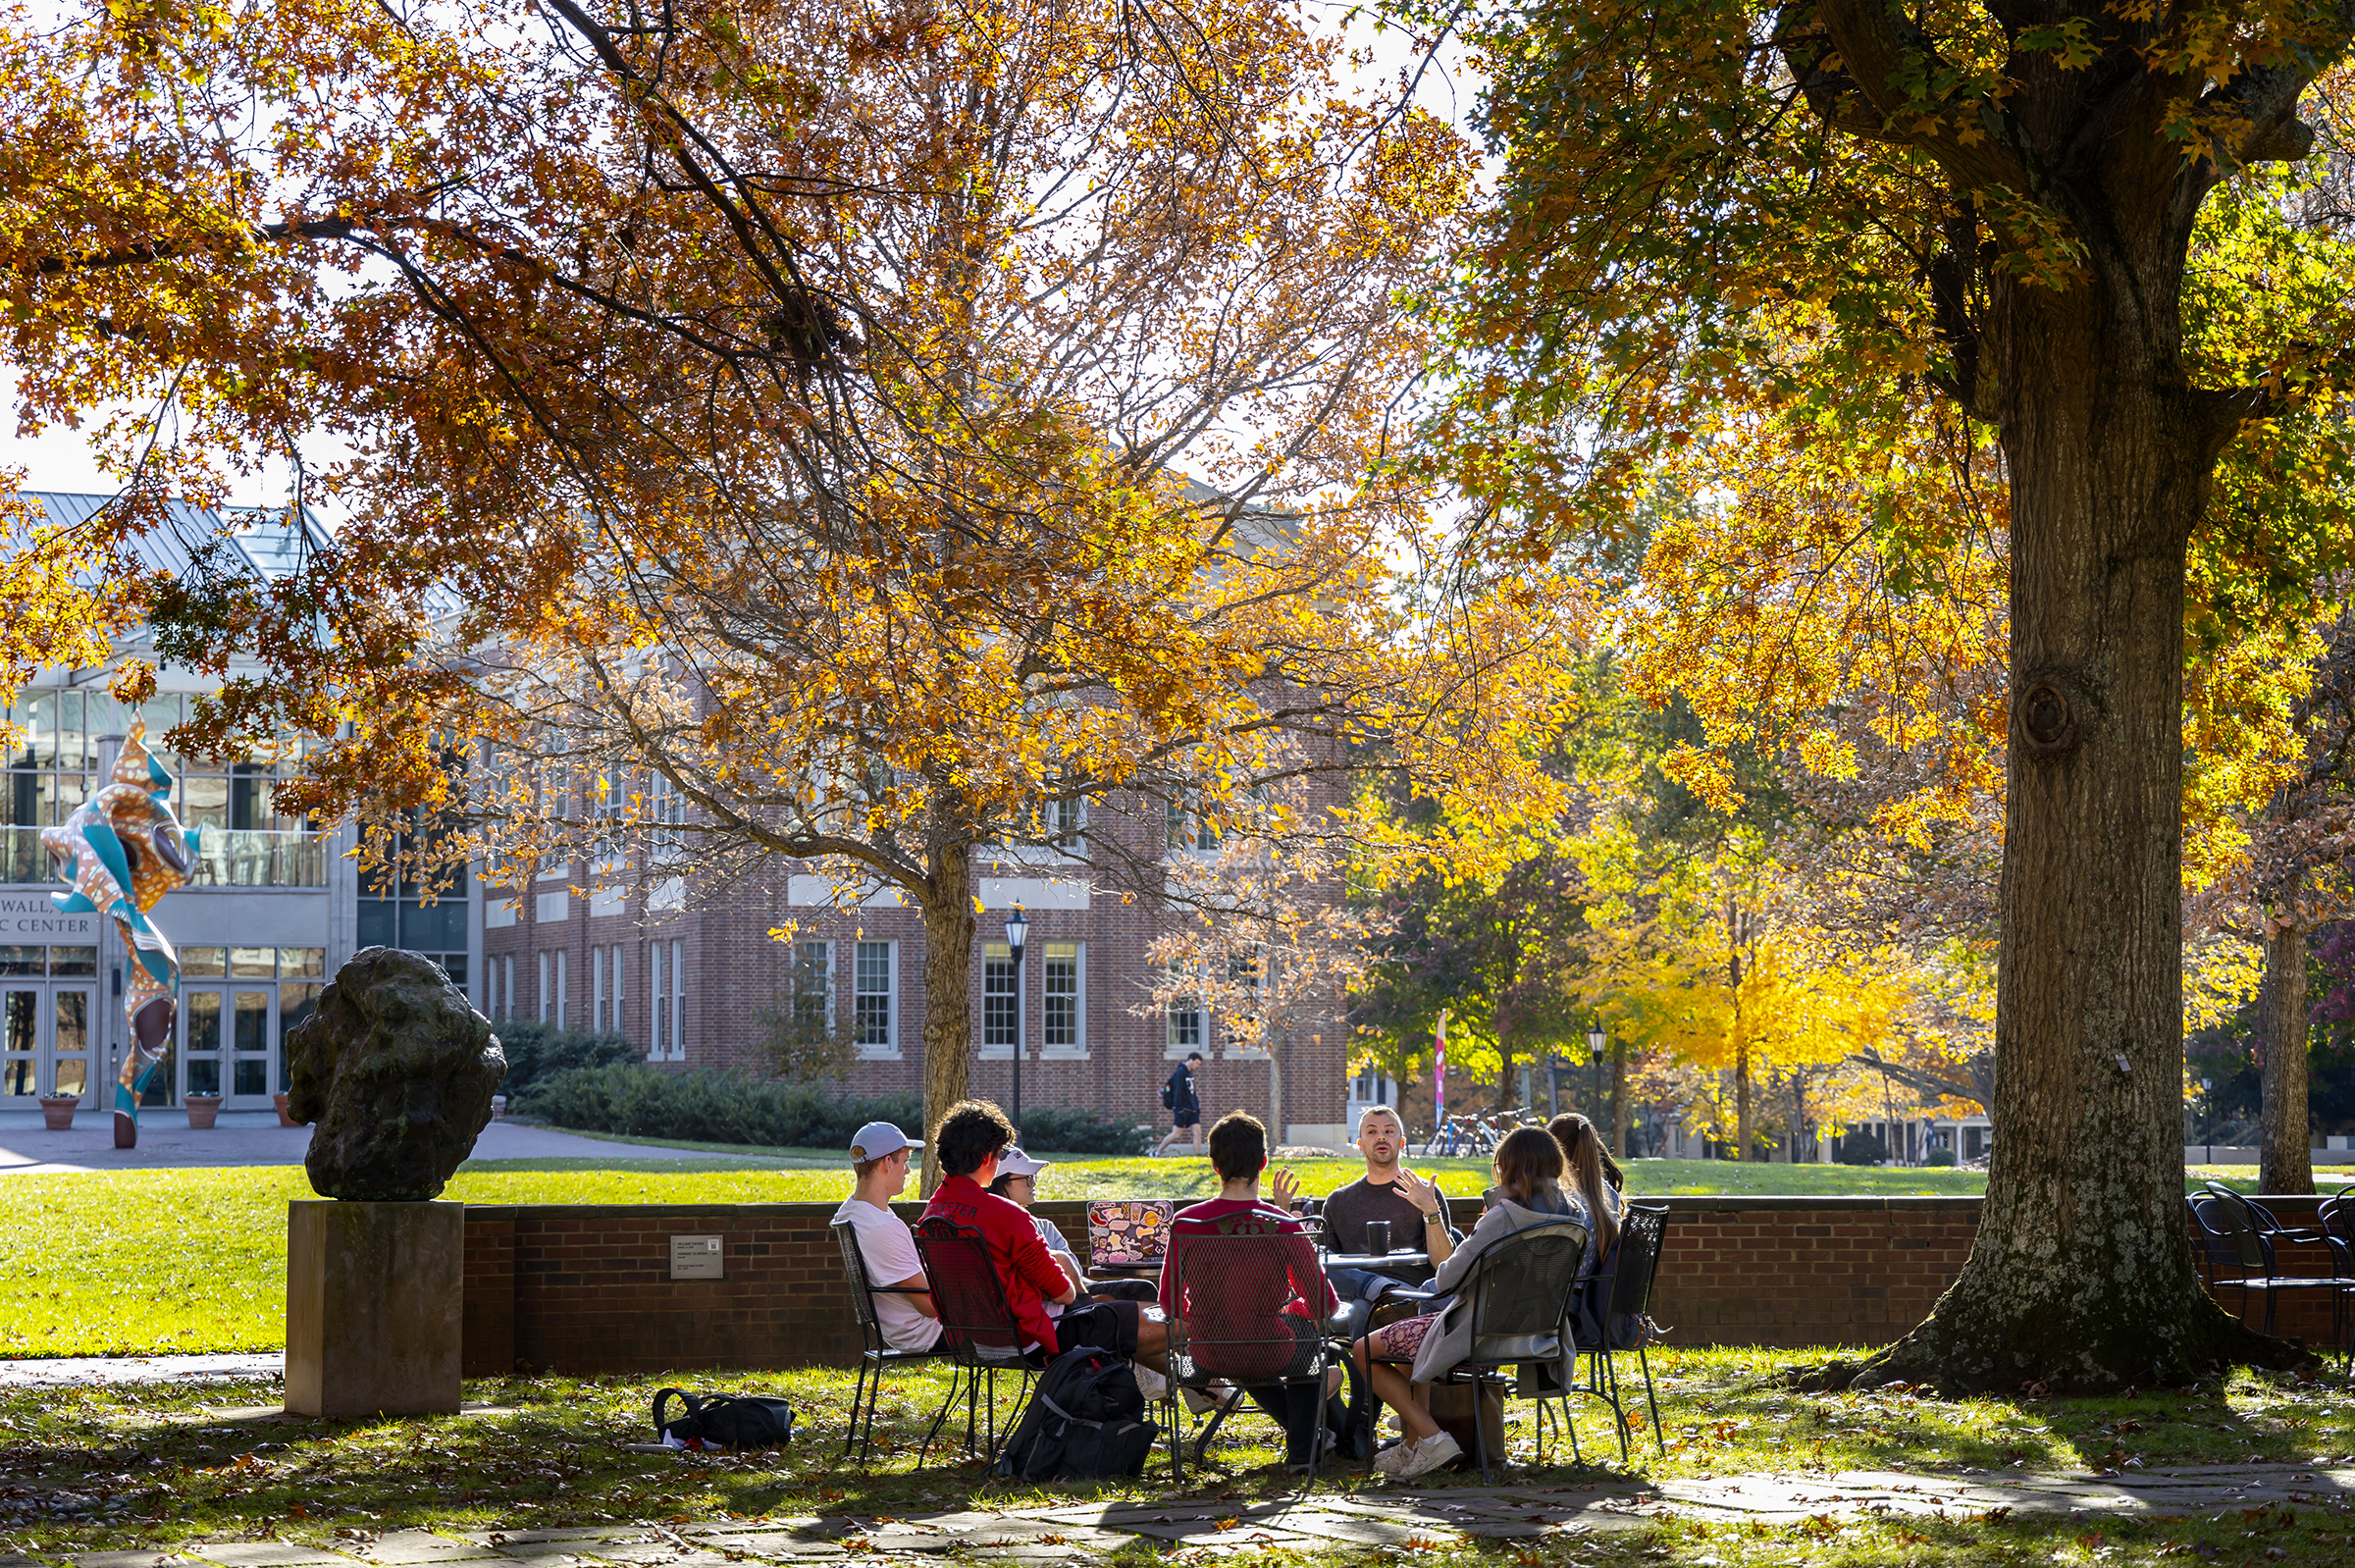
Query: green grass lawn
[
  {"x": 158, "y": 1466},
  {"x": 129, "y": 1262}
]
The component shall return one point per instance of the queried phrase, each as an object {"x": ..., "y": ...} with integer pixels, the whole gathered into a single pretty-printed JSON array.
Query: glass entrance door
[
  {"x": 19, "y": 1039},
  {"x": 229, "y": 1043},
  {"x": 46, "y": 1041}
]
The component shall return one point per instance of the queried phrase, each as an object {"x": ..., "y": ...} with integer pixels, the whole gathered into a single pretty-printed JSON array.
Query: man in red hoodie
[{"x": 970, "y": 1140}]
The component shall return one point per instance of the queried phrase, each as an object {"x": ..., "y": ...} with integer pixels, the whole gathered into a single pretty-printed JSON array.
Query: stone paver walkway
[{"x": 1372, "y": 1516}]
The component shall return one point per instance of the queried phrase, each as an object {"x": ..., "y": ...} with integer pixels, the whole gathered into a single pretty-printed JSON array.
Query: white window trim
[
  {"x": 620, "y": 1019},
  {"x": 564, "y": 969},
  {"x": 597, "y": 989},
  {"x": 678, "y": 1000},
  {"x": 831, "y": 982},
  {"x": 546, "y": 996},
  {"x": 657, "y": 1005},
  {"x": 890, "y": 1050},
  {"x": 1077, "y": 1050},
  {"x": 983, "y": 1050}
]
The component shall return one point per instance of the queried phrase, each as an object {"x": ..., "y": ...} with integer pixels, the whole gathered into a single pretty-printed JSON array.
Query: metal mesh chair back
[
  {"x": 862, "y": 1289},
  {"x": 2226, "y": 1213},
  {"x": 977, "y": 1324},
  {"x": 2218, "y": 1254},
  {"x": 1521, "y": 1292},
  {"x": 1639, "y": 1259},
  {"x": 1227, "y": 1319},
  {"x": 2334, "y": 1217}
]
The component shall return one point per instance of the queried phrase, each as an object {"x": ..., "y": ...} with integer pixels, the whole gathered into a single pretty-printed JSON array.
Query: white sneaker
[
  {"x": 1202, "y": 1401},
  {"x": 1152, "y": 1384},
  {"x": 1387, "y": 1460},
  {"x": 1424, "y": 1457}
]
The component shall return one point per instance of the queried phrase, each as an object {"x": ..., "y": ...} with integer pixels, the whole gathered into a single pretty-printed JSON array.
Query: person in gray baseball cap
[{"x": 879, "y": 1157}]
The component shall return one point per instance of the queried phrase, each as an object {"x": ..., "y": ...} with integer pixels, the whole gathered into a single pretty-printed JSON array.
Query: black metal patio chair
[
  {"x": 1622, "y": 1289},
  {"x": 1229, "y": 1287},
  {"x": 878, "y": 1353},
  {"x": 2241, "y": 1236},
  {"x": 1522, "y": 1295},
  {"x": 978, "y": 1332}
]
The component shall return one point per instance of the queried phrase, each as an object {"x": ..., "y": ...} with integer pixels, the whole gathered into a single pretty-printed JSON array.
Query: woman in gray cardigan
[{"x": 1397, "y": 1357}]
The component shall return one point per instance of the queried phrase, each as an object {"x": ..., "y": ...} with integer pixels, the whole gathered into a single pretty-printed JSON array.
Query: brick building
[{"x": 684, "y": 978}]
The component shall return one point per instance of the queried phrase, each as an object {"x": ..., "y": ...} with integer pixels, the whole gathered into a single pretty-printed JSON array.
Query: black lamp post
[
  {"x": 2208, "y": 1117},
  {"x": 1017, "y": 929},
  {"x": 1595, "y": 1040}
]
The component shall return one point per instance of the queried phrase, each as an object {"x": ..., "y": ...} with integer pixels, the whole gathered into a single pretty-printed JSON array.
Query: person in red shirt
[
  {"x": 971, "y": 1139},
  {"x": 1290, "y": 1293}
]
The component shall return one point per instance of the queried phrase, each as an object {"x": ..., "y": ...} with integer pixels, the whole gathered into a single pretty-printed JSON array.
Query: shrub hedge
[
  {"x": 704, "y": 1107},
  {"x": 535, "y": 1050}
]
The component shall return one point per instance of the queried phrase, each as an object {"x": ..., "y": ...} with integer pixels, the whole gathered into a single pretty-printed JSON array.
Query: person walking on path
[{"x": 1184, "y": 1102}]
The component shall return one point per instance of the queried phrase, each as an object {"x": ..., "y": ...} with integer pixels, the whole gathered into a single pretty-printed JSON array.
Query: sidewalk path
[
  {"x": 54, "y": 1370},
  {"x": 254, "y": 1138},
  {"x": 1367, "y": 1516}
]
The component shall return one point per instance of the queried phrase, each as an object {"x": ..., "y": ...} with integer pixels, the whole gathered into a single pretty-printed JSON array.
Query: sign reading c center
[{"x": 33, "y": 919}]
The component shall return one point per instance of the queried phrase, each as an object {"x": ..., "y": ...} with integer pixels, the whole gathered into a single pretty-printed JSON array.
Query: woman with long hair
[
  {"x": 1593, "y": 1174},
  {"x": 1397, "y": 1356}
]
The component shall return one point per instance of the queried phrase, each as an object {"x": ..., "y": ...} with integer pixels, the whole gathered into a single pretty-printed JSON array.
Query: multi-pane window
[
  {"x": 547, "y": 994},
  {"x": 813, "y": 987},
  {"x": 678, "y": 1001},
  {"x": 1190, "y": 830},
  {"x": 1001, "y": 998},
  {"x": 614, "y": 1016},
  {"x": 870, "y": 997},
  {"x": 1185, "y": 1018},
  {"x": 69, "y": 738},
  {"x": 564, "y": 990},
  {"x": 597, "y": 989},
  {"x": 1062, "y": 980},
  {"x": 658, "y": 1012},
  {"x": 1059, "y": 823},
  {"x": 669, "y": 809}
]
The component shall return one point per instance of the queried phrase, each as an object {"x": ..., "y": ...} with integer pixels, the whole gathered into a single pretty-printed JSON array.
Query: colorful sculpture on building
[{"x": 122, "y": 850}]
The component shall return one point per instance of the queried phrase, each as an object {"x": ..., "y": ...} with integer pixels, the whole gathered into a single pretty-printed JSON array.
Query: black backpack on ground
[
  {"x": 1085, "y": 1422},
  {"x": 731, "y": 1420}
]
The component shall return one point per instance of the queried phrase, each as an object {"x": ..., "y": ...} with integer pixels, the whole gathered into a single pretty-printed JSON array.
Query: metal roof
[{"x": 269, "y": 540}]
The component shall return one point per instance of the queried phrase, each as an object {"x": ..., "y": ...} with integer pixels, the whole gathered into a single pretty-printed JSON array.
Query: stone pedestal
[{"x": 375, "y": 1299}]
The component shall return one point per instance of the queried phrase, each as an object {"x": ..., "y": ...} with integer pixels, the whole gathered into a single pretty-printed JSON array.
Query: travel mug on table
[{"x": 1377, "y": 1236}]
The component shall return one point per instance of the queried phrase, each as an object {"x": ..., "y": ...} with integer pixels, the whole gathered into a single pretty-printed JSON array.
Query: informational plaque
[{"x": 696, "y": 1258}]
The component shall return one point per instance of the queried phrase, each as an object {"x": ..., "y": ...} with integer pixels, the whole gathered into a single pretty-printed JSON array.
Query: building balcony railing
[{"x": 224, "y": 858}]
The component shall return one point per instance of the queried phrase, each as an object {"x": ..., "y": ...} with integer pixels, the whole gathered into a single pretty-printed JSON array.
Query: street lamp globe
[
  {"x": 1017, "y": 929},
  {"x": 1596, "y": 1036}
]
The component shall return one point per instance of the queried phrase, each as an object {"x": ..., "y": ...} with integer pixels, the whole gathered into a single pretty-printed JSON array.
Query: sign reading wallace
[{"x": 30, "y": 916}]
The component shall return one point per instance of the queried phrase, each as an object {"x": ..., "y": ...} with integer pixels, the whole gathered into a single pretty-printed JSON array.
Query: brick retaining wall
[{"x": 587, "y": 1287}]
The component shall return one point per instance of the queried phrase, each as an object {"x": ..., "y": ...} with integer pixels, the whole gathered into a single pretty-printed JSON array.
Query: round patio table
[{"x": 1377, "y": 1262}]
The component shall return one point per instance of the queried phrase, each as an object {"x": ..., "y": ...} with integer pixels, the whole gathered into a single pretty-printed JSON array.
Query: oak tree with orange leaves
[
  {"x": 1835, "y": 209},
  {"x": 843, "y": 432}
]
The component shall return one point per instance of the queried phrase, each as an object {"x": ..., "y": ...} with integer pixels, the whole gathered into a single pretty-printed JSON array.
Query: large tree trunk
[
  {"x": 2287, "y": 1161},
  {"x": 948, "y": 907},
  {"x": 2081, "y": 1274}
]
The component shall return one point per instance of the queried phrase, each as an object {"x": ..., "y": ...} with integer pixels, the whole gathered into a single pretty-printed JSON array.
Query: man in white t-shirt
[{"x": 903, "y": 1302}]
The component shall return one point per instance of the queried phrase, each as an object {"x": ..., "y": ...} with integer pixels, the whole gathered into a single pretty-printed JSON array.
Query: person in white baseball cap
[{"x": 879, "y": 1157}]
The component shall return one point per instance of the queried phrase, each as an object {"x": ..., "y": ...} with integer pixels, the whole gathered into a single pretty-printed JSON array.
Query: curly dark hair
[
  {"x": 973, "y": 1131},
  {"x": 1238, "y": 1146}
]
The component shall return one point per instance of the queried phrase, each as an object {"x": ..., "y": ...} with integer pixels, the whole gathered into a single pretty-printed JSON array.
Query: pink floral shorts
[{"x": 1398, "y": 1341}]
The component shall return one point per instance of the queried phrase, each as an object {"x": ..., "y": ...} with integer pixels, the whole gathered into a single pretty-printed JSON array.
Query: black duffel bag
[{"x": 726, "y": 1420}]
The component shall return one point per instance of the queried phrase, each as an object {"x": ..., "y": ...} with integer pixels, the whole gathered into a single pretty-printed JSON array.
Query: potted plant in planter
[
  {"x": 57, "y": 1111},
  {"x": 284, "y": 1119},
  {"x": 202, "y": 1110}
]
